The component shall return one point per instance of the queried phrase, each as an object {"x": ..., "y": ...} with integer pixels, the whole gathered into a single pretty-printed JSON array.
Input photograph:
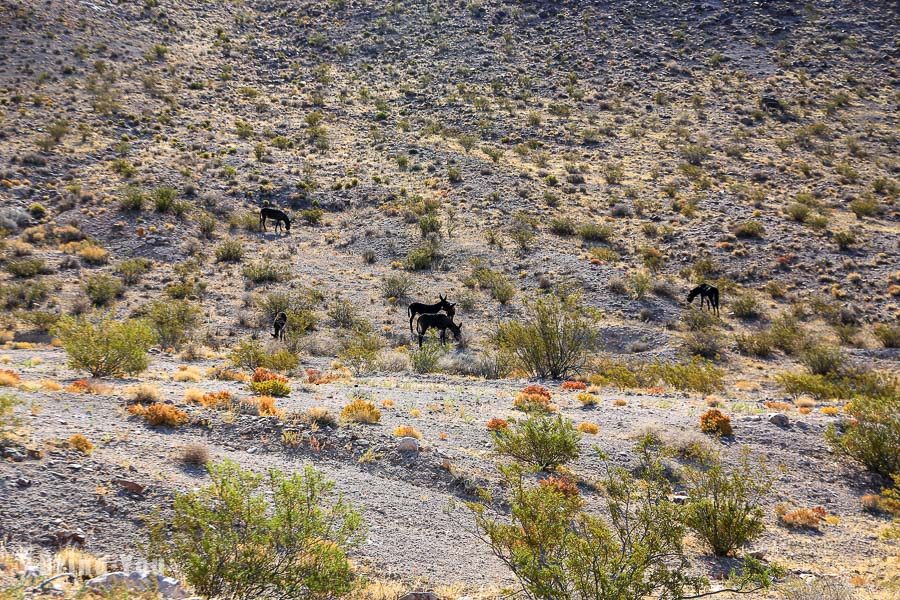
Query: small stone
[
  {"x": 408, "y": 444},
  {"x": 131, "y": 486},
  {"x": 779, "y": 419},
  {"x": 678, "y": 498},
  {"x": 22, "y": 482},
  {"x": 420, "y": 595}
]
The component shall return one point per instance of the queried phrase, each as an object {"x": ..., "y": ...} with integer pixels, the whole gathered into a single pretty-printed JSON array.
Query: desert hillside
[{"x": 564, "y": 173}]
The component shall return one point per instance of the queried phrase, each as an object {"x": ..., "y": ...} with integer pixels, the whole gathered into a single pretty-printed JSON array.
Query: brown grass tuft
[
  {"x": 407, "y": 431},
  {"x": 81, "y": 444},
  {"x": 360, "y": 410}
]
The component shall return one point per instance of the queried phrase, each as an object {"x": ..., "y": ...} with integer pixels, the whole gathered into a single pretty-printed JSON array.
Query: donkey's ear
[
  {"x": 440, "y": 296},
  {"x": 452, "y": 304}
]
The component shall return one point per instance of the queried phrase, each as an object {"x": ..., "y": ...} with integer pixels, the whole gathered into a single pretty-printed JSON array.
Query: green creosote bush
[
  {"x": 131, "y": 270},
  {"x": 872, "y": 437},
  {"x": 173, "y": 321},
  {"x": 105, "y": 347},
  {"x": 272, "y": 387},
  {"x": 249, "y": 535},
  {"x": 360, "y": 348},
  {"x": 724, "y": 505},
  {"x": 8, "y": 403},
  {"x": 249, "y": 354},
  {"x": 231, "y": 250},
  {"x": 425, "y": 359},
  {"x": 540, "y": 441},
  {"x": 103, "y": 289},
  {"x": 557, "y": 549},
  {"x": 552, "y": 339}
]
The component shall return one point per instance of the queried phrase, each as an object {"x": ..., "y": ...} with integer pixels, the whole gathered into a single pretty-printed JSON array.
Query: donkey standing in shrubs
[
  {"x": 440, "y": 322},
  {"x": 708, "y": 294},
  {"x": 280, "y": 218},
  {"x": 418, "y": 308}
]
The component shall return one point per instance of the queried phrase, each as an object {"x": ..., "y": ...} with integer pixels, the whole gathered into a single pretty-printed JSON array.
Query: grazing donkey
[
  {"x": 440, "y": 322},
  {"x": 279, "y": 325},
  {"x": 772, "y": 104},
  {"x": 418, "y": 308},
  {"x": 276, "y": 215},
  {"x": 708, "y": 293}
]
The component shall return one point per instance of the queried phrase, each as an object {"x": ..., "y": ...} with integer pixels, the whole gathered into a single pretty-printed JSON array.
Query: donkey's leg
[{"x": 411, "y": 317}]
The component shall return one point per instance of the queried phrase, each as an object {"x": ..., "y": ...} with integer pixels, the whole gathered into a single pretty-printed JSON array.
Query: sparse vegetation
[
  {"x": 543, "y": 442},
  {"x": 105, "y": 347}
]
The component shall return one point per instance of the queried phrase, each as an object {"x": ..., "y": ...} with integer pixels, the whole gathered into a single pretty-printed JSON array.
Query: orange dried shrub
[
  {"x": 574, "y": 385},
  {"x": 714, "y": 421},
  {"x": 81, "y": 444},
  {"x": 316, "y": 377},
  {"x": 563, "y": 485},
  {"x": 534, "y": 398},
  {"x": 779, "y": 406},
  {"x": 266, "y": 406},
  {"x": 407, "y": 431},
  {"x": 589, "y": 428},
  {"x": 803, "y": 518},
  {"x": 496, "y": 424},
  {"x": 160, "y": 414},
  {"x": 9, "y": 378},
  {"x": 262, "y": 374},
  {"x": 220, "y": 399}
]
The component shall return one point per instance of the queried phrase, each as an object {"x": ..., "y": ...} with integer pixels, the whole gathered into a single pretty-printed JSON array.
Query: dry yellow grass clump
[
  {"x": 588, "y": 399},
  {"x": 81, "y": 444},
  {"x": 195, "y": 454},
  {"x": 589, "y": 428},
  {"x": 48, "y": 385},
  {"x": 360, "y": 410},
  {"x": 144, "y": 393},
  {"x": 9, "y": 378},
  {"x": 407, "y": 431},
  {"x": 78, "y": 561},
  {"x": 187, "y": 373},
  {"x": 266, "y": 406}
]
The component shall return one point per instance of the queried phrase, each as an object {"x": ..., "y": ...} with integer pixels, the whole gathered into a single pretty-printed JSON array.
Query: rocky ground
[{"x": 617, "y": 149}]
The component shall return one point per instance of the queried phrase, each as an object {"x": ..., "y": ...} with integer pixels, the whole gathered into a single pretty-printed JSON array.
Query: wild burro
[
  {"x": 438, "y": 321},
  {"x": 279, "y": 325},
  {"x": 708, "y": 294},
  {"x": 280, "y": 217},
  {"x": 419, "y": 308}
]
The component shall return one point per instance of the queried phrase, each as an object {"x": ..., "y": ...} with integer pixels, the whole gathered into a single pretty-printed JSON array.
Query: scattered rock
[
  {"x": 139, "y": 581},
  {"x": 131, "y": 486},
  {"x": 678, "y": 498},
  {"x": 779, "y": 419},
  {"x": 420, "y": 595},
  {"x": 408, "y": 444}
]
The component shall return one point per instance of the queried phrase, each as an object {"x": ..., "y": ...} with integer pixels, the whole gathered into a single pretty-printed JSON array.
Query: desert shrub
[
  {"x": 787, "y": 334},
  {"x": 723, "y": 506},
  {"x": 397, "y": 286},
  {"x": 557, "y": 549},
  {"x": 7, "y": 406},
  {"x": 888, "y": 334},
  {"x": 540, "y": 441},
  {"x": 9, "y": 378},
  {"x": 562, "y": 226},
  {"x": 421, "y": 257},
  {"x": 695, "y": 375},
  {"x": 173, "y": 320},
  {"x": 250, "y": 535},
  {"x": 268, "y": 383},
  {"x": 757, "y": 344},
  {"x": 865, "y": 207},
  {"x": 588, "y": 428},
  {"x": 801, "y": 518},
  {"x": 706, "y": 343},
  {"x": 816, "y": 589},
  {"x": 697, "y": 320},
  {"x": 588, "y": 399},
  {"x": 107, "y": 346},
  {"x": 595, "y": 232},
  {"x": 746, "y": 306},
  {"x": 163, "y": 198},
  {"x": 872, "y": 436},
  {"x": 132, "y": 269},
  {"x": 343, "y": 313},
  {"x": 40, "y": 320},
  {"x": 299, "y": 306},
  {"x": 103, "y": 289},
  {"x": 320, "y": 416},
  {"x": 407, "y": 431},
  {"x": 359, "y": 350},
  {"x": 265, "y": 271},
  {"x": 26, "y": 294},
  {"x": 81, "y": 444},
  {"x": 573, "y": 385},
  {"x": 195, "y": 454},
  {"x": 534, "y": 398},
  {"x": 360, "y": 410},
  {"x": 25, "y": 268},
  {"x": 552, "y": 339},
  {"x": 425, "y": 359},
  {"x": 821, "y": 359},
  {"x": 144, "y": 393},
  {"x": 159, "y": 414},
  {"x": 231, "y": 250},
  {"x": 715, "y": 422},
  {"x": 749, "y": 229},
  {"x": 496, "y": 424}
]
